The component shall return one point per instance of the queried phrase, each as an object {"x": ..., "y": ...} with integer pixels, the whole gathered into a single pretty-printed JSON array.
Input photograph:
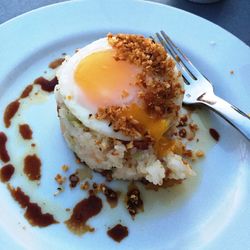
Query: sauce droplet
[
  {"x": 74, "y": 180},
  {"x": 107, "y": 174},
  {"x": 111, "y": 195},
  {"x": 33, "y": 212},
  {"x": 4, "y": 156},
  {"x": 10, "y": 111},
  {"x": 6, "y": 172},
  {"x": 25, "y": 131},
  {"x": 56, "y": 63},
  {"x": 26, "y": 92},
  {"x": 32, "y": 167},
  {"x": 82, "y": 211},
  {"x": 133, "y": 200},
  {"x": 214, "y": 134},
  {"x": 46, "y": 85},
  {"x": 118, "y": 232}
]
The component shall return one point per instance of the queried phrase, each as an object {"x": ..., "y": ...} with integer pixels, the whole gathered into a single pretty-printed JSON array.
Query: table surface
[{"x": 232, "y": 15}]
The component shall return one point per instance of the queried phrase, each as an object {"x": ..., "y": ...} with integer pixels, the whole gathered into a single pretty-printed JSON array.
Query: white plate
[{"x": 211, "y": 213}]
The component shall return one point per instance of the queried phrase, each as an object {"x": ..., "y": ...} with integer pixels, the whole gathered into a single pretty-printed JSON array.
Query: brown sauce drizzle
[
  {"x": 118, "y": 232},
  {"x": 13, "y": 107},
  {"x": 82, "y": 211},
  {"x": 111, "y": 195},
  {"x": 33, "y": 212},
  {"x": 134, "y": 202},
  {"x": 10, "y": 111},
  {"x": 6, "y": 172},
  {"x": 56, "y": 63},
  {"x": 74, "y": 180},
  {"x": 214, "y": 134},
  {"x": 46, "y": 85},
  {"x": 25, "y": 131},
  {"x": 4, "y": 155},
  {"x": 26, "y": 92},
  {"x": 107, "y": 174},
  {"x": 32, "y": 167}
]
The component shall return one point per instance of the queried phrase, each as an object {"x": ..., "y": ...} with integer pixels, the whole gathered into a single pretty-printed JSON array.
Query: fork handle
[{"x": 230, "y": 113}]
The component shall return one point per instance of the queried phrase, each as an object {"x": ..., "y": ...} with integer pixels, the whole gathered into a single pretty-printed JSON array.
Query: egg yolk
[
  {"x": 163, "y": 146},
  {"x": 103, "y": 80},
  {"x": 155, "y": 127}
]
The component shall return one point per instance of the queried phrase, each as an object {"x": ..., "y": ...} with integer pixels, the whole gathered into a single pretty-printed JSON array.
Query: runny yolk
[
  {"x": 102, "y": 79},
  {"x": 155, "y": 127},
  {"x": 163, "y": 146}
]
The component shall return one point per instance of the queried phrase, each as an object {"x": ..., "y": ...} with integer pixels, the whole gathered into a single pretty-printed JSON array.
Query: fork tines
[{"x": 189, "y": 71}]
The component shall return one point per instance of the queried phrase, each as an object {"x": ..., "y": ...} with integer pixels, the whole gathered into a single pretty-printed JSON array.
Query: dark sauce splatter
[
  {"x": 134, "y": 202},
  {"x": 56, "y": 63},
  {"x": 32, "y": 167},
  {"x": 25, "y": 131},
  {"x": 118, "y": 232},
  {"x": 82, "y": 211},
  {"x": 6, "y": 172},
  {"x": 214, "y": 134},
  {"x": 10, "y": 111},
  {"x": 111, "y": 195},
  {"x": 4, "y": 155},
  {"x": 33, "y": 212},
  {"x": 13, "y": 107},
  {"x": 74, "y": 180},
  {"x": 46, "y": 85},
  {"x": 107, "y": 174},
  {"x": 183, "y": 133},
  {"x": 26, "y": 92}
]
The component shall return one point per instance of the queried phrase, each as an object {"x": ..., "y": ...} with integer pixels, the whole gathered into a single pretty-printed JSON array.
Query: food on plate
[
  {"x": 118, "y": 232},
  {"x": 119, "y": 101},
  {"x": 33, "y": 211},
  {"x": 82, "y": 212}
]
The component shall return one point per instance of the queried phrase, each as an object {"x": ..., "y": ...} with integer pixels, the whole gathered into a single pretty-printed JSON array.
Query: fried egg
[{"x": 93, "y": 79}]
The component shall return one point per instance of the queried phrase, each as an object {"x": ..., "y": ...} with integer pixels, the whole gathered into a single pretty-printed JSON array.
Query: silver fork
[{"x": 199, "y": 90}]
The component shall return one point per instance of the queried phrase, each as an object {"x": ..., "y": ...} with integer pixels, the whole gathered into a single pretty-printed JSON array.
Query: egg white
[{"x": 68, "y": 87}]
